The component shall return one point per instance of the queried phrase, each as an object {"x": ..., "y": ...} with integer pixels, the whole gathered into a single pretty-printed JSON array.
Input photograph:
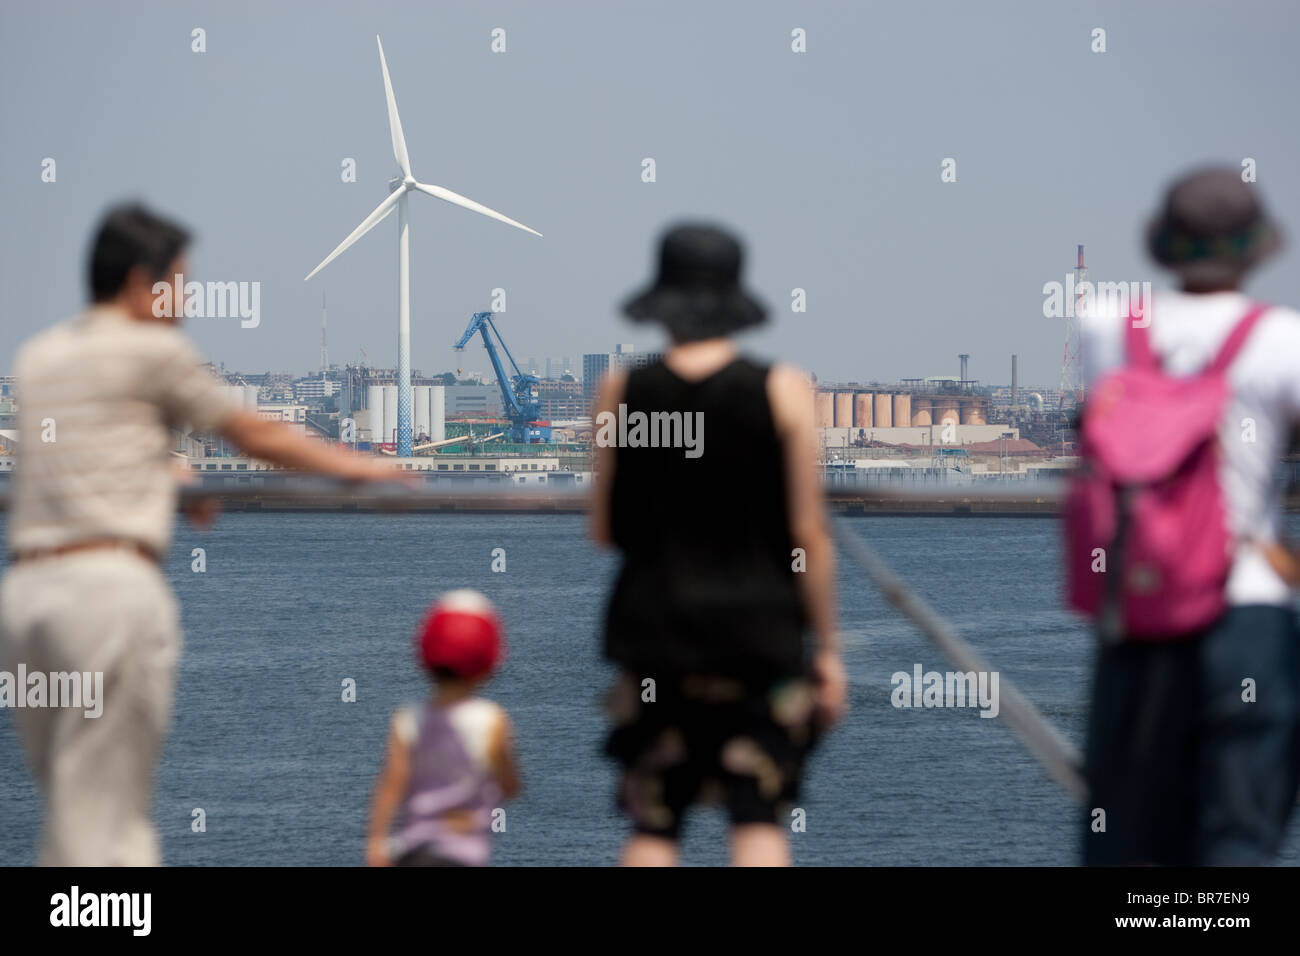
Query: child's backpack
[{"x": 1148, "y": 550}]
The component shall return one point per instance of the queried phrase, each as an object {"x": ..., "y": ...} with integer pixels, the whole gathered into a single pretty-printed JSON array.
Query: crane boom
[{"x": 518, "y": 391}]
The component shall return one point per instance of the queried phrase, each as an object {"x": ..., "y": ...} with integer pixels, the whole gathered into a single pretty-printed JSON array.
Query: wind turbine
[{"x": 398, "y": 191}]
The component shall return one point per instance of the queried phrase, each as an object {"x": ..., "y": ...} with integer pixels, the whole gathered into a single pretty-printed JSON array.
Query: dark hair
[{"x": 129, "y": 236}]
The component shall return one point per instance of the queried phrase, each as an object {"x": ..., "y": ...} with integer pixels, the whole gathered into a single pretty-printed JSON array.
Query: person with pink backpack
[{"x": 1175, "y": 546}]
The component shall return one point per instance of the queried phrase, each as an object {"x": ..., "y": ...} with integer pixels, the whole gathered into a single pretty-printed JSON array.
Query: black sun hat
[
  {"x": 697, "y": 294},
  {"x": 1212, "y": 228}
]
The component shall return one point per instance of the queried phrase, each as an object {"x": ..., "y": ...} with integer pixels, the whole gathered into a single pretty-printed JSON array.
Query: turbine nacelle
[{"x": 405, "y": 182}]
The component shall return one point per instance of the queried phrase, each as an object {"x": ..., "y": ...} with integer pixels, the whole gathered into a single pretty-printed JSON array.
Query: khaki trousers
[{"x": 107, "y": 611}]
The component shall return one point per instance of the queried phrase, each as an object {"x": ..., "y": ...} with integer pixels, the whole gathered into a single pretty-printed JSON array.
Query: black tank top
[{"x": 707, "y": 584}]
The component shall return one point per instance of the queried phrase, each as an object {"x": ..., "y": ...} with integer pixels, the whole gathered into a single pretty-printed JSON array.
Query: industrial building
[
  {"x": 379, "y": 422},
  {"x": 246, "y": 395},
  {"x": 917, "y": 435},
  {"x": 242, "y": 470},
  {"x": 917, "y": 411},
  {"x": 904, "y": 406},
  {"x": 369, "y": 397}
]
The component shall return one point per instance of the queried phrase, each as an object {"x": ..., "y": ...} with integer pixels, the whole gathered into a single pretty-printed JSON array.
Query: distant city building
[
  {"x": 8, "y": 402},
  {"x": 283, "y": 412},
  {"x": 561, "y": 401},
  {"x": 314, "y": 389},
  {"x": 550, "y": 367},
  {"x": 278, "y": 392},
  {"x": 262, "y": 379},
  {"x": 596, "y": 365},
  {"x": 558, "y": 367}
]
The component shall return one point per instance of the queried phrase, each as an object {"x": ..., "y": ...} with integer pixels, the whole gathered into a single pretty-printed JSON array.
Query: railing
[{"x": 499, "y": 492}]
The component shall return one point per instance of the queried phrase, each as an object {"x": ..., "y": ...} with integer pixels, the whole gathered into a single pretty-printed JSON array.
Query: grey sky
[{"x": 827, "y": 161}]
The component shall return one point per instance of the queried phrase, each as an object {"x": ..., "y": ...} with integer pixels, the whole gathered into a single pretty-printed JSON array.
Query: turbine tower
[{"x": 399, "y": 188}]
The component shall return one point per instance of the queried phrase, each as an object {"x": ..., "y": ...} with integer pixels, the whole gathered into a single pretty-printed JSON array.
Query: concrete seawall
[{"x": 934, "y": 505}]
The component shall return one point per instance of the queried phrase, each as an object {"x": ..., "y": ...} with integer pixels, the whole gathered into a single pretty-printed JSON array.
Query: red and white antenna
[{"x": 1072, "y": 359}]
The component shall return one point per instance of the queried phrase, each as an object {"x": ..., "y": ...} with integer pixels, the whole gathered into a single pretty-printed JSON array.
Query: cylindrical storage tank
[
  {"x": 922, "y": 413},
  {"x": 862, "y": 410},
  {"x": 375, "y": 407},
  {"x": 390, "y": 414},
  {"x": 250, "y": 396},
  {"x": 824, "y": 409},
  {"x": 946, "y": 412},
  {"x": 843, "y": 409},
  {"x": 902, "y": 411},
  {"x": 437, "y": 412},
  {"x": 420, "y": 414},
  {"x": 972, "y": 414},
  {"x": 884, "y": 413}
]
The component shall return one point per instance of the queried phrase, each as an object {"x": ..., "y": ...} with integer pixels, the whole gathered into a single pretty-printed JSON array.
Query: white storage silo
[
  {"x": 437, "y": 412},
  {"x": 250, "y": 396},
  {"x": 375, "y": 409},
  {"x": 390, "y": 414},
  {"x": 420, "y": 414}
]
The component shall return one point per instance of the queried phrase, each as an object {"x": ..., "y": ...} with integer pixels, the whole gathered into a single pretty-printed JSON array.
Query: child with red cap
[{"x": 450, "y": 762}]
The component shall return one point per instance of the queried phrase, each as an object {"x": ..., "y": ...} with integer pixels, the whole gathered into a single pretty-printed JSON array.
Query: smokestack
[
  {"x": 963, "y": 357},
  {"x": 1015, "y": 380}
]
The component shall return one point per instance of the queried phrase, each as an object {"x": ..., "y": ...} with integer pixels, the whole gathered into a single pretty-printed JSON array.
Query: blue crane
[{"x": 518, "y": 391}]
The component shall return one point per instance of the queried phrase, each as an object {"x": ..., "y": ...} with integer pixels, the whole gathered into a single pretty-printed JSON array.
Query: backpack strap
[
  {"x": 1236, "y": 339},
  {"x": 1137, "y": 341},
  {"x": 1141, "y": 355}
]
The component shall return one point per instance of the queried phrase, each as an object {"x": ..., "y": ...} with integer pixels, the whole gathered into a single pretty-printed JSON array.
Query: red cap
[{"x": 462, "y": 634}]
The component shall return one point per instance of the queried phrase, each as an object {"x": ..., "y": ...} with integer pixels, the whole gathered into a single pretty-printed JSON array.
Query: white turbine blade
[
  {"x": 394, "y": 121},
  {"x": 374, "y": 219},
  {"x": 457, "y": 199}
]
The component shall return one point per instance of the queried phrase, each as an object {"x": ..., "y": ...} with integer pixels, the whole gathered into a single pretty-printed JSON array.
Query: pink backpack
[{"x": 1148, "y": 548}]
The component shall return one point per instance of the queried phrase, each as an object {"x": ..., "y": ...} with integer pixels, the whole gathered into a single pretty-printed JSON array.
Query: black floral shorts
[{"x": 701, "y": 739}]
